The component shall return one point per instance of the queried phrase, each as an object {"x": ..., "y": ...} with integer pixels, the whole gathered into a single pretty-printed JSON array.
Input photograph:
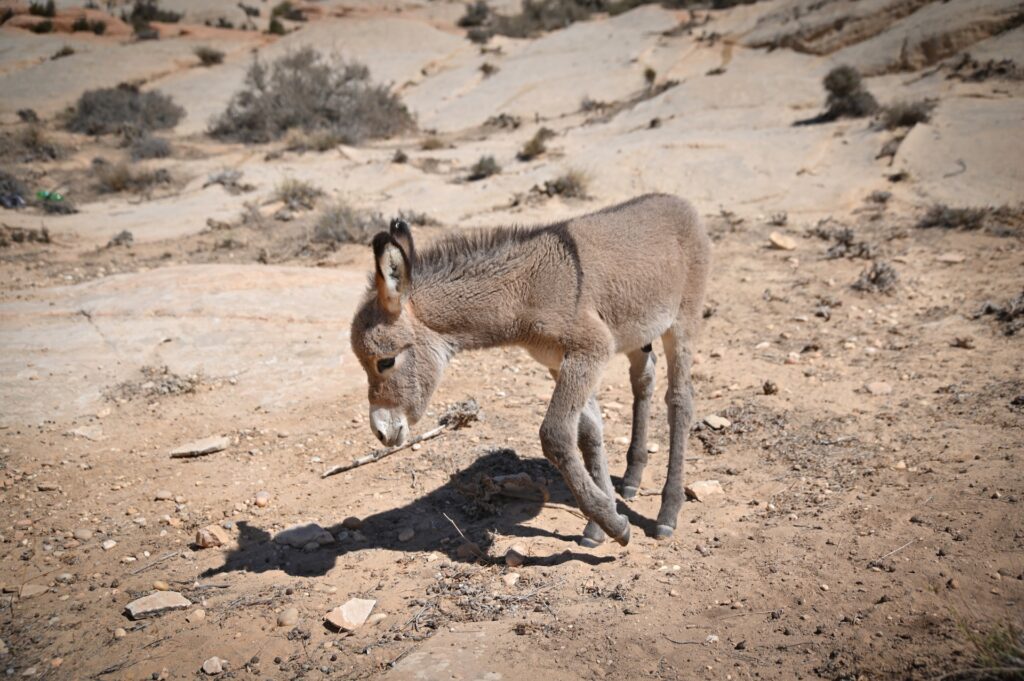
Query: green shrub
[
  {"x": 303, "y": 90},
  {"x": 477, "y": 14},
  {"x": 43, "y": 9},
  {"x": 145, "y": 11},
  {"x": 208, "y": 56},
  {"x": 276, "y": 27},
  {"x": 65, "y": 51},
  {"x": 123, "y": 107},
  {"x": 44, "y": 26},
  {"x": 847, "y": 97},
  {"x": 285, "y": 10}
]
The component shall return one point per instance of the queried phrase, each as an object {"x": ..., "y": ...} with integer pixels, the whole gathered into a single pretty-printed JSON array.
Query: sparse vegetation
[
  {"x": 316, "y": 140},
  {"x": 488, "y": 69},
  {"x": 483, "y": 168},
  {"x": 945, "y": 217},
  {"x": 145, "y": 11},
  {"x": 432, "y": 143},
  {"x": 117, "y": 109},
  {"x": 847, "y": 97},
  {"x": 588, "y": 105},
  {"x": 276, "y": 27},
  {"x": 881, "y": 277},
  {"x": 11, "y": 186},
  {"x": 208, "y": 56},
  {"x": 65, "y": 51},
  {"x": 339, "y": 223},
  {"x": 536, "y": 145},
  {"x": 30, "y": 143},
  {"x": 477, "y": 14},
  {"x": 286, "y": 10},
  {"x": 114, "y": 178},
  {"x": 303, "y": 90},
  {"x": 999, "y": 652},
  {"x": 906, "y": 114},
  {"x": 44, "y": 26},
  {"x": 148, "y": 146},
  {"x": 1010, "y": 315},
  {"x": 97, "y": 26},
  {"x": 650, "y": 76},
  {"x": 400, "y": 157},
  {"x": 43, "y": 9},
  {"x": 297, "y": 193},
  {"x": 570, "y": 185}
]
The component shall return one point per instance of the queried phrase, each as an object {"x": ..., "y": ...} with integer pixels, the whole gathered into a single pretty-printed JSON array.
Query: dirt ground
[{"x": 870, "y": 524}]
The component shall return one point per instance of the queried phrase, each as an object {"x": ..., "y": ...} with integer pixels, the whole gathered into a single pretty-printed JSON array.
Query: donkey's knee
[{"x": 556, "y": 441}]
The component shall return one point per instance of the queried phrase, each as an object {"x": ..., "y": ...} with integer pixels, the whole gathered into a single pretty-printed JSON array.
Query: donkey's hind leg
[
  {"x": 641, "y": 378},
  {"x": 591, "y": 444},
  {"x": 678, "y": 342}
]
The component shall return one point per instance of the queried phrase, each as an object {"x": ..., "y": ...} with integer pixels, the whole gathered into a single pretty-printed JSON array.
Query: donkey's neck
[{"x": 473, "y": 290}]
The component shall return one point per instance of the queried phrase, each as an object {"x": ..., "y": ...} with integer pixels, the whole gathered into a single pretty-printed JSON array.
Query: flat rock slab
[
  {"x": 351, "y": 615},
  {"x": 207, "y": 445},
  {"x": 156, "y": 604},
  {"x": 717, "y": 422},
  {"x": 701, "y": 490},
  {"x": 298, "y": 536}
]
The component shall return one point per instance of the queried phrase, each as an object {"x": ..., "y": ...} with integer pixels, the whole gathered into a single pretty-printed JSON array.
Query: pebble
[
  {"x": 32, "y": 590},
  {"x": 213, "y": 666},
  {"x": 622, "y": 440},
  {"x": 515, "y": 556},
  {"x": 823, "y": 587},
  {"x": 207, "y": 445},
  {"x": 156, "y": 604},
  {"x": 716, "y": 422},
  {"x": 782, "y": 242},
  {"x": 211, "y": 536},
  {"x": 510, "y": 579},
  {"x": 900, "y": 465},
  {"x": 288, "y": 617},
  {"x": 262, "y": 499},
  {"x": 120, "y": 633},
  {"x": 406, "y": 534},
  {"x": 108, "y": 544},
  {"x": 351, "y": 615},
  {"x": 701, "y": 490},
  {"x": 652, "y": 448},
  {"x": 65, "y": 578},
  {"x": 673, "y": 593},
  {"x": 82, "y": 534},
  {"x": 953, "y": 583},
  {"x": 161, "y": 585},
  {"x": 196, "y": 616},
  {"x": 47, "y": 487},
  {"x": 879, "y": 388},
  {"x": 164, "y": 495}
]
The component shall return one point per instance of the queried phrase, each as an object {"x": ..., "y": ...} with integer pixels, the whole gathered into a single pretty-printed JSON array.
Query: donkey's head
[{"x": 403, "y": 358}]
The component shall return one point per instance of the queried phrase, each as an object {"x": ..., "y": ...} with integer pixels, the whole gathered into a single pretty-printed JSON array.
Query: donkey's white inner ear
[{"x": 394, "y": 278}]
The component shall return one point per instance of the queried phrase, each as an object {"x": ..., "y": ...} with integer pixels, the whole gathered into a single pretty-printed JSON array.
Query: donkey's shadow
[{"x": 478, "y": 517}]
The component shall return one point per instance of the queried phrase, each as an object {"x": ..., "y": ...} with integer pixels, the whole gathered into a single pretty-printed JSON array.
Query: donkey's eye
[{"x": 385, "y": 364}]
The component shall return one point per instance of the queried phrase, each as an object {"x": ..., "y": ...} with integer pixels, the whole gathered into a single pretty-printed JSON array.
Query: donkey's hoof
[
  {"x": 588, "y": 543},
  {"x": 629, "y": 492},
  {"x": 593, "y": 535},
  {"x": 664, "y": 532},
  {"x": 623, "y": 538}
]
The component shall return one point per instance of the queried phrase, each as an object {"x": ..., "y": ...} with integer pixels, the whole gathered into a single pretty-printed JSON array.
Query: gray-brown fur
[{"x": 572, "y": 294}]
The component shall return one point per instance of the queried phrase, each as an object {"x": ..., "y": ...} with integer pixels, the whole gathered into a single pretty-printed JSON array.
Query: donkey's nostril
[{"x": 378, "y": 433}]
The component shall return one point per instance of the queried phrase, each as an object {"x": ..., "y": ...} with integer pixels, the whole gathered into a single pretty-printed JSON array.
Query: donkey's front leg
[
  {"x": 591, "y": 441},
  {"x": 577, "y": 380}
]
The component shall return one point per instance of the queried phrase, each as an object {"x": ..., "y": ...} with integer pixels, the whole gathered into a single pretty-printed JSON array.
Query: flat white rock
[
  {"x": 702, "y": 489},
  {"x": 298, "y": 536},
  {"x": 207, "y": 445},
  {"x": 782, "y": 242},
  {"x": 717, "y": 422},
  {"x": 156, "y": 604},
  {"x": 351, "y": 615}
]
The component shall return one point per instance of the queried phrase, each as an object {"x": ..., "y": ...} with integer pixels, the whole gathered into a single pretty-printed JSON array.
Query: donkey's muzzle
[{"x": 389, "y": 426}]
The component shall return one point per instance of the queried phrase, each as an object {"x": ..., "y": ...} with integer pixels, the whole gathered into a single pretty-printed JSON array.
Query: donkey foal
[{"x": 572, "y": 294}]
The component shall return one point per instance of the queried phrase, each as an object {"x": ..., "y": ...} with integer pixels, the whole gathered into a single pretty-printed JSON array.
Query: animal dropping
[{"x": 572, "y": 294}]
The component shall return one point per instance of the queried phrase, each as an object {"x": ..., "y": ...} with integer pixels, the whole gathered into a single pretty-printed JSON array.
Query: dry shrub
[
  {"x": 570, "y": 185},
  {"x": 536, "y": 145},
  {"x": 432, "y": 143},
  {"x": 43, "y": 9},
  {"x": 484, "y": 167},
  {"x": 906, "y": 114},
  {"x": 147, "y": 146},
  {"x": 120, "y": 177},
  {"x": 297, "y": 193},
  {"x": 65, "y": 51},
  {"x": 339, "y": 223},
  {"x": 304, "y": 90},
  {"x": 208, "y": 56},
  {"x": 122, "y": 108},
  {"x": 945, "y": 217},
  {"x": 30, "y": 143},
  {"x": 881, "y": 277},
  {"x": 847, "y": 97},
  {"x": 477, "y": 14}
]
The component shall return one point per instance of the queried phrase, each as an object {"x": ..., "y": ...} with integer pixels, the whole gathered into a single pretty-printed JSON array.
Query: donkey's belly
[
  {"x": 549, "y": 356},
  {"x": 633, "y": 334}
]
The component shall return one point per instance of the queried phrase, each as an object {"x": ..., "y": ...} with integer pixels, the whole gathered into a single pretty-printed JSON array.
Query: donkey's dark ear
[
  {"x": 393, "y": 273},
  {"x": 401, "y": 233}
]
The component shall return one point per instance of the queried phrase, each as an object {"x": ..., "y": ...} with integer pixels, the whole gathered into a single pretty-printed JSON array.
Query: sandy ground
[{"x": 870, "y": 523}]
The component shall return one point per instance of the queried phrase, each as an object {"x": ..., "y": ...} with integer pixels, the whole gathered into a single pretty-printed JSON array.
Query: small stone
[
  {"x": 351, "y": 615},
  {"x": 782, "y": 242},
  {"x": 468, "y": 551},
  {"x": 108, "y": 544},
  {"x": 47, "y": 487},
  {"x": 622, "y": 440},
  {"x": 65, "y": 578},
  {"x": 207, "y": 445},
  {"x": 164, "y": 495},
  {"x": 952, "y": 258},
  {"x": 711, "y": 639},
  {"x": 823, "y": 587},
  {"x": 82, "y": 534},
  {"x": 352, "y": 523},
  {"x": 120, "y": 633},
  {"x": 900, "y": 465},
  {"x": 515, "y": 556},
  {"x": 652, "y": 448},
  {"x": 770, "y": 388},
  {"x": 262, "y": 499},
  {"x": 673, "y": 593},
  {"x": 297, "y": 536},
  {"x": 156, "y": 604},
  {"x": 510, "y": 579},
  {"x": 213, "y": 666},
  {"x": 701, "y": 490},
  {"x": 196, "y": 616},
  {"x": 375, "y": 618},
  {"x": 32, "y": 590},
  {"x": 288, "y": 617},
  {"x": 406, "y": 534},
  {"x": 211, "y": 536},
  {"x": 716, "y": 422},
  {"x": 161, "y": 585},
  {"x": 879, "y": 388},
  {"x": 953, "y": 583}
]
